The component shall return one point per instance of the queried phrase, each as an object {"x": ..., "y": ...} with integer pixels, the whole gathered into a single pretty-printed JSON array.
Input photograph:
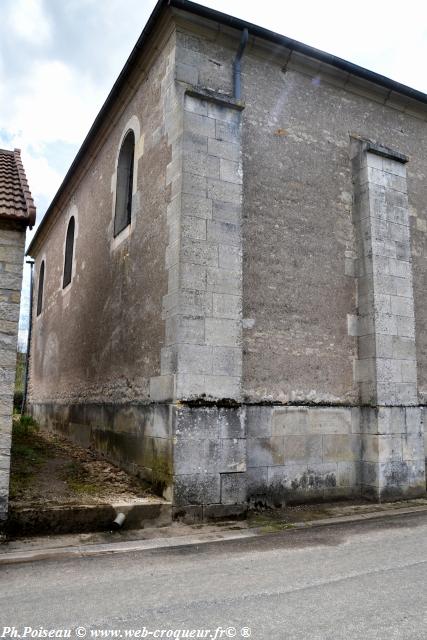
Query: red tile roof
[{"x": 16, "y": 202}]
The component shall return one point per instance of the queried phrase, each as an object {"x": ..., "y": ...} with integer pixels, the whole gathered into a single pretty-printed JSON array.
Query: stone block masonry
[
  {"x": 11, "y": 262},
  {"x": 228, "y": 457},
  {"x": 386, "y": 369},
  {"x": 296, "y": 425},
  {"x": 209, "y": 462},
  {"x": 202, "y": 356},
  {"x": 298, "y": 454}
]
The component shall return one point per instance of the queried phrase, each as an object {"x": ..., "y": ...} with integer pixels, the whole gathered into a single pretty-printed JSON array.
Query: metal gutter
[
  {"x": 237, "y": 66},
  {"x": 295, "y": 45},
  {"x": 30, "y": 331},
  {"x": 234, "y": 23}
]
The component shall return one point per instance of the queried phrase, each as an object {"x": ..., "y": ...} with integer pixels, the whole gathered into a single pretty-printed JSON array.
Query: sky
[{"x": 60, "y": 58}]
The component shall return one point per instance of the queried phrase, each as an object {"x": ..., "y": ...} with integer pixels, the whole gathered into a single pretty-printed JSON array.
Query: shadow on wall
[{"x": 135, "y": 437}]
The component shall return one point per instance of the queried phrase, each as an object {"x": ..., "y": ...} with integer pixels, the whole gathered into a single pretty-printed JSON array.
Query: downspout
[
  {"x": 30, "y": 327},
  {"x": 237, "y": 71}
]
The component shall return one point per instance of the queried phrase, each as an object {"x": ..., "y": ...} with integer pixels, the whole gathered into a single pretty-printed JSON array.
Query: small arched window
[
  {"x": 69, "y": 249},
  {"x": 124, "y": 183},
  {"x": 40, "y": 289}
]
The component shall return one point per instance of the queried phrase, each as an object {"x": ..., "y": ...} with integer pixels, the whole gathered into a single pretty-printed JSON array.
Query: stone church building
[{"x": 230, "y": 290}]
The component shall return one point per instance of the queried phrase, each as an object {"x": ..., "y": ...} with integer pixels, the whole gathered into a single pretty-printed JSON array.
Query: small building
[
  {"x": 17, "y": 212},
  {"x": 230, "y": 282}
]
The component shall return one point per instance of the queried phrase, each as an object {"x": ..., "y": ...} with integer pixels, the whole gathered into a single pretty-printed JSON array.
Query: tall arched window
[
  {"x": 122, "y": 215},
  {"x": 69, "y": 249},
  {"x": 40, "y": 289}
]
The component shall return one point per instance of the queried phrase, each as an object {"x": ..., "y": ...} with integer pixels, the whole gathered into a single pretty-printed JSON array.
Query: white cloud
[
  {"x": 54, "y": 104},
  {"x": 29, "y": 22},
  {"x": 45, "y": 180},
  {"x": 54, "y": 83}
]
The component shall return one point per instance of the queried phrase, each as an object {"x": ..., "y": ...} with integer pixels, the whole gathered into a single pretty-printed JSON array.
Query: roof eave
[
  {"x": 230, "y": 21},
  {"x": 295, "y": 45},
  {"x": 29, "y": 202},
  {"x": 23, "y": 221},
  {"x": 24, "y": 216}
]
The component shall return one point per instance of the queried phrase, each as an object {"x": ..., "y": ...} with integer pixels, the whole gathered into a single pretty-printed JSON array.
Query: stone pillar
[
  {"x": 204, "y": 307},
  {"x": 392, "y": 432},
  {"x": 11, "y": 262},
  {"x": 201, "y": 363}
]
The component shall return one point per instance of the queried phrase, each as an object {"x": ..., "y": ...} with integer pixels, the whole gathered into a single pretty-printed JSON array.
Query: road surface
[{"x": 362, "y": 580}]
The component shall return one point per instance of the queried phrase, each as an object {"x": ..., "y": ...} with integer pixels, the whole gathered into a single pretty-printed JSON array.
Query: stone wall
[
  {"x": 12, "y": 242},
  {"x": 229, "y": 459},
  {"x": 203, "y": 307},
  {"x": 97, "y": 343},
  {"x": 99, "y": 339},
  {"x": 305, "y": 302},
  {"x": 209, "y": 462},
  {"x": 298, "y": 203},
  {"x": 298, "y": 454},
  {"x": 386, "y": 368},
  {"x": 258, "y": 323},
  {"x": 300, "y": 289}
]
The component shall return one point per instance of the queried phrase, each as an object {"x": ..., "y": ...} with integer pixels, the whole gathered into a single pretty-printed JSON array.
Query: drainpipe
[
  {"x": 237, "y": 88},
  {"x": 30, "y": 327},
  {"x": 119, "y": 520}
]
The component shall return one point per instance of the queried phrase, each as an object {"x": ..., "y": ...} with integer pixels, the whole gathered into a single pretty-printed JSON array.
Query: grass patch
[
  {"x": 160, "y": 475},
  {"x": 19, "y": 380},
  {"x": 270, "y": 520},
  {"x": 273, "y": 527},
  {"x": 78, "y": 479},
  {"x": 24, "y": 426},
  {"x": 28, "y": 452}
]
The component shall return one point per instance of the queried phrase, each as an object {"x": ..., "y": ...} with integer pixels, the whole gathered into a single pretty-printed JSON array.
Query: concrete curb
[
  {"x": 87, "y": 518},
  {"x": 359, "y": 517},
  {"x": 90, "y": 550},
  {"x": 111, "y": 548}
]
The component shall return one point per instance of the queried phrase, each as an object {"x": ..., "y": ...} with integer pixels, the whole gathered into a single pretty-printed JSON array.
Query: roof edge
[
  {"x": 31, "y": 209},
  {"x": 25, "y": 217},
  {"x": 296, "y": 45},
  {"x": 235, "y": 23},
  {"x": 97, "y": 123}
]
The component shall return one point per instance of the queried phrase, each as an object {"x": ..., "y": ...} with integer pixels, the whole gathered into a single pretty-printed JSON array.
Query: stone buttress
[{"x": 392, "y": 435}]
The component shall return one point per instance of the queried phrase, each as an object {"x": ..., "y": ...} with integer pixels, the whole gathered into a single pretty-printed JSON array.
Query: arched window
[
  {"x": 122, "y": 215},
  {"x": 40, "y": 289},
  {"x": 69, "y": 249}
]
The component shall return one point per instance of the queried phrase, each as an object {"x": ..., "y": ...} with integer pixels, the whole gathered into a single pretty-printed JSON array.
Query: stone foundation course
[{"x": 216, "y": 462}]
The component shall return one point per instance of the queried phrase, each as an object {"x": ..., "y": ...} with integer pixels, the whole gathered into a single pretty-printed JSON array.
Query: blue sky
[{"x": 59, "y": 59}]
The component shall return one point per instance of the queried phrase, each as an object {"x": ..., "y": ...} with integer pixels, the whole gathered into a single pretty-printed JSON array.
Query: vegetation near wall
[{"x": 19, "y": 380}]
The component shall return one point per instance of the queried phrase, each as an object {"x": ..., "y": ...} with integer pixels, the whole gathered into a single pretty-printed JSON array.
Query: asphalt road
[{"x": 365, "y": 580}]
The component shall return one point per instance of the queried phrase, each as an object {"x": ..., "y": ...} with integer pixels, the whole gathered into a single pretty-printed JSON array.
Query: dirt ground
[{"x": 47, "y": 469}]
